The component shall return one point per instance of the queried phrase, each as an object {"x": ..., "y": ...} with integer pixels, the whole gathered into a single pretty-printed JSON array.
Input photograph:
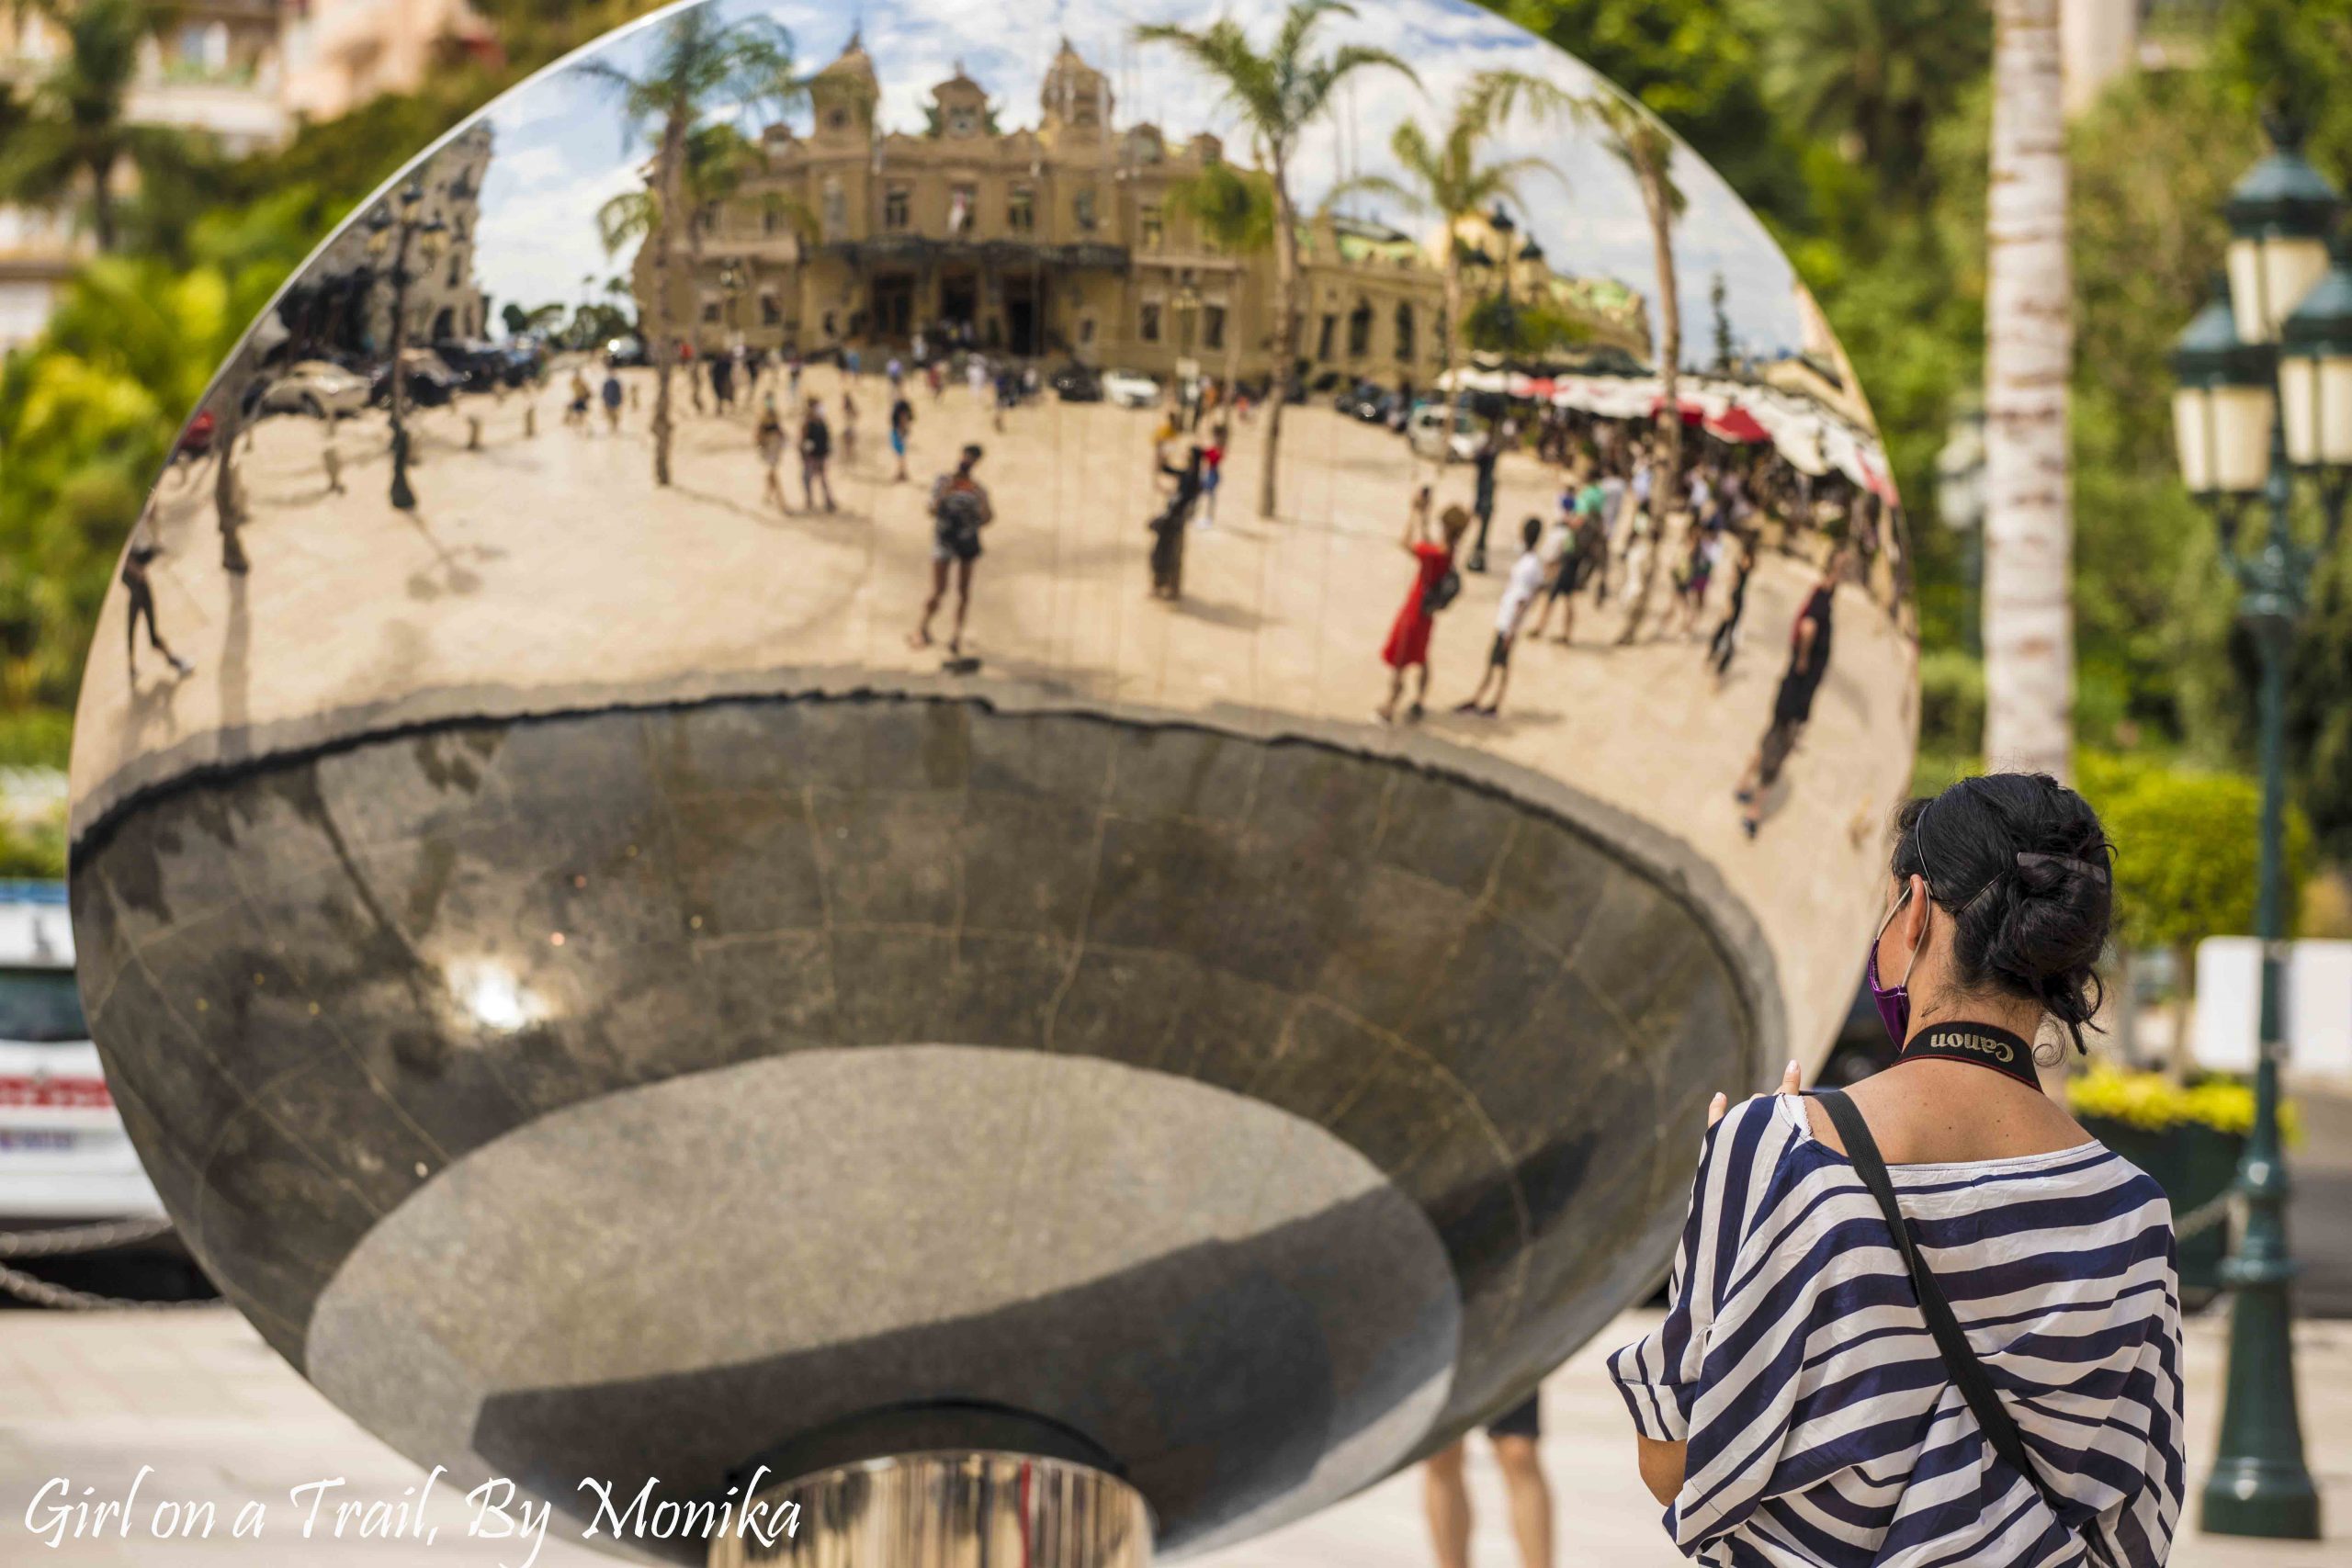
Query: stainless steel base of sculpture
[{"x": 949, "y": 1510}]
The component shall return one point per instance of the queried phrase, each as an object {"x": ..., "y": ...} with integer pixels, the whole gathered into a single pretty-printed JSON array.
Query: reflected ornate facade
[
  {"x": 1068, "y": 241},
  {"x": 344, "y": 299}
]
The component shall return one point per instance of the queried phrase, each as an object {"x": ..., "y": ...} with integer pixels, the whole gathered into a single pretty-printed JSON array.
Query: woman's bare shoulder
[{"x": 1950, "y": 1113}]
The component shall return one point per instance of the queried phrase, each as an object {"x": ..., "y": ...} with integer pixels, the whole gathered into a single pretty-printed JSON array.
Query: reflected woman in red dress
[{"x": 1435, "y": 583}]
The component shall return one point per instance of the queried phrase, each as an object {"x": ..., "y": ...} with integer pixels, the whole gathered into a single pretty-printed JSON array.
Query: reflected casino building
[{"x": 1070, "y": 240}]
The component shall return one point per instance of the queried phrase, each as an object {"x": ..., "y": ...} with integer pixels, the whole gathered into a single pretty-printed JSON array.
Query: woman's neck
[{"x": 2022, "y": 1019}]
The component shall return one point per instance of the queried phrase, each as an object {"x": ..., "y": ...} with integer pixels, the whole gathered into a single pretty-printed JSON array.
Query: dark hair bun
[{"x": 2021, "y": 865}]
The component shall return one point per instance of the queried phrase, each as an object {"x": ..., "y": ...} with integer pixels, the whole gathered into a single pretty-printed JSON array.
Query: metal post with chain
[{"x": 69, "y": 1241}]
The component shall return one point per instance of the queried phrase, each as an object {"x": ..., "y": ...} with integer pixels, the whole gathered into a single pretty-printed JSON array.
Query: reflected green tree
[
  {"x": 1279, "y": 92},
  {"x": 1233, "y": 210},
  {"x": 700, "y": 63},
  {"x": 1447, "y": 175}
]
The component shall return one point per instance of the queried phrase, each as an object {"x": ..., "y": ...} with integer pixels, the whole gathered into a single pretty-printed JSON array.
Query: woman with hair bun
[{"x": 1931, "y": 1321}]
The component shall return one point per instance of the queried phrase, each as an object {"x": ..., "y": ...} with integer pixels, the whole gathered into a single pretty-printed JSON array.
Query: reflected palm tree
[
  {"x": 1233, "y": 209},
  {"x": 1279, "y": 93},
  {"x": 721, "y": 160},
  {"x": 1445, "y": 178},
  {"x": 699, "y": 63},
  {"x": 1634, "y": 138}
]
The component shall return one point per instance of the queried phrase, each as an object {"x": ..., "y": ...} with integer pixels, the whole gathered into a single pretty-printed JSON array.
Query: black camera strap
[{"x": 1968, "y": 1373}]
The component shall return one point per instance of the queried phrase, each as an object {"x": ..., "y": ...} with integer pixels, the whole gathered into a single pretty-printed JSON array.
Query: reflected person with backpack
[
  {"x": 959, "y": 510},
  {"x": 1436, "y": 584}
]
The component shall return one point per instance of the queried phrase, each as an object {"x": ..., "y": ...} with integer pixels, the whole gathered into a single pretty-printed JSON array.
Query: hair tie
[{"x": 2088, "y": 868}]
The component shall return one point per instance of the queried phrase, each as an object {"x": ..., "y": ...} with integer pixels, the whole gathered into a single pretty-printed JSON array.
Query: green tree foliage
[
  {"x": 1278, "y": 93},
  {"x": 1531, "y": 328},
  {"x": 1871, "y": 78},
  {"x": 1697, "y": 65},
  {"x": 73, "y": 140},
  {"x": 2185, "y": 845},
  {"x": 2293, "y": 55},
  {"x": 85, "y": 422}
]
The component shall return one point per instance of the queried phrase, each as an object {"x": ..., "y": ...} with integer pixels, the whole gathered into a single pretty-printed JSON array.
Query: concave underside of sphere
[{"x": 641, "y": 1091}]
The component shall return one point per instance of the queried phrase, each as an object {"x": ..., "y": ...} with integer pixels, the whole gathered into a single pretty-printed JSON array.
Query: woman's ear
[{"x": 1915, "y": 915}]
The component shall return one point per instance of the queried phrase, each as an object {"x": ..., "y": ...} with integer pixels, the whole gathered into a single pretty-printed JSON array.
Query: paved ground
[
  {"x": 543, "y": 570},
  {"x": 2319, "y": 1204},
  {"x": 195, "y": 1395}
]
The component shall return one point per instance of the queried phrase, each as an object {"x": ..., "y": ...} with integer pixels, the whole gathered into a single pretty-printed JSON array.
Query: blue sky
[{"x": 561, "y": 148}]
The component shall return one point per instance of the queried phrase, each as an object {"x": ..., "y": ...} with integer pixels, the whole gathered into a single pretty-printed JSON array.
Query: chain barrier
[
  {"x": 66, "y": 1242},
  {"x": 2205, "y": 1216}
]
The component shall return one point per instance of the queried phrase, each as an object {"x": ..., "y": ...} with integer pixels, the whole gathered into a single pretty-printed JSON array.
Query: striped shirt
[{"x": 1822, "y": 1428}]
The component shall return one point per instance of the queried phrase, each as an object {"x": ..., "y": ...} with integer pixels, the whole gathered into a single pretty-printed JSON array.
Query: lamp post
[
  {"x": 2278, "y": 331},
  {"x": 393, "y": 237},
  {"x": 730, "y": 284}
]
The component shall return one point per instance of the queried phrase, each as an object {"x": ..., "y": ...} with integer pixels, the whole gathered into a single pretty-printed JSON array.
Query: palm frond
[{"x": 1376, "y": 185}]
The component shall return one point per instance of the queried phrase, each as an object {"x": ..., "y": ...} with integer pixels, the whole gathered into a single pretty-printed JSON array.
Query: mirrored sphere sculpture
[{"x": 843, "y": 766}]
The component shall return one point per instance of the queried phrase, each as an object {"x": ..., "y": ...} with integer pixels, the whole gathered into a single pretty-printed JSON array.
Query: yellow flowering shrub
[{"x": 2153, "y": 1102}]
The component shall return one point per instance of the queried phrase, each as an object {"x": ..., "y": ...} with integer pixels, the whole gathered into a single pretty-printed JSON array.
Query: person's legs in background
[
  {"x": 1531, "y": 1499},
  {"x": 1447, "y": 1497}
]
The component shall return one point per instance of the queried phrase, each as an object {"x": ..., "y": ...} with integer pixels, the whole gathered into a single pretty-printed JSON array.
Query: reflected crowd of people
[{"x": 1648, "y": 537}]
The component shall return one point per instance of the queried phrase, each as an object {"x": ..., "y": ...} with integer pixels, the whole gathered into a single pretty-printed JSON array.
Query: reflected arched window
[
  {"x": 836, "y": 209},
  {"x": 1404, "y": 330},
  {"x": 1360, "y": 329}
]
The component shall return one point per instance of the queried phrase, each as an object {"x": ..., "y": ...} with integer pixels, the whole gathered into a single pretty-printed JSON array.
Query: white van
[
  {"x": 1428, "y": 430},
  {"x": 65, "y": 1158}
]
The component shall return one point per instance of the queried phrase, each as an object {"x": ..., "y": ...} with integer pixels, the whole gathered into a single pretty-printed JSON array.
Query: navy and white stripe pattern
[{"x": 1822, "y": 1428}]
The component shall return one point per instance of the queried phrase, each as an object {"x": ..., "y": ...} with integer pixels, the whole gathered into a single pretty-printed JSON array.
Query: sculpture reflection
[{"x": 805, "y": 650}]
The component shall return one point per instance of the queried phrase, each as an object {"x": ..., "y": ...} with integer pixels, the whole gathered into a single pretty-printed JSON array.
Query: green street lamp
[
  {"x": 2316, "y": 376},
  {"x": 2277, "y": 336}
]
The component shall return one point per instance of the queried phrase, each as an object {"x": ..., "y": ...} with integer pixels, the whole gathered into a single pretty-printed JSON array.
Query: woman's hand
[{"x": 1791, "y": 1082}]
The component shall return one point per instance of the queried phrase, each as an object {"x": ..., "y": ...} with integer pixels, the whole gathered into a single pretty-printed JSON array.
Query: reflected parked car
[
  {"x": 429, "y": 382},
  {"x": 480, "y": 364},
  {"x": 1439, "y": 433},
  {"x": 621, "y": 352},
  {"x": 1130, "y": 390},
  {"x": 1076, "y": 384},
  {"x": 319, "y": 387}
]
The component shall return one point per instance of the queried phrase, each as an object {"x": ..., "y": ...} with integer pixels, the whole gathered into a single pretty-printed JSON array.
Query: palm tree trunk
[
  {"x": 665, "y": 337},
  {"x": 2029, "y": 353},
  {"x": 694, "y": 308},
  {"x": 1285, "y": 334},
  {"x": 102, "y": 201},
  {"x": 1665, "y": 483},
  {"x": 1452, "y": 330}
]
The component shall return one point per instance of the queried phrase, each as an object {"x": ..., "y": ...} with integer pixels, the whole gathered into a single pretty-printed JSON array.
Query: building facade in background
[
  {"x": 342, "y": 302},
  {"x": 216, "y": 69},
  {"x": 1067, "y": 240},
  {"x": 340, "y": 53}
]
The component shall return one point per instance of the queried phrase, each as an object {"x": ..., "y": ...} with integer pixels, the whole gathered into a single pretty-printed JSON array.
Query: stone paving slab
[{"x": 196, "y": 1395}]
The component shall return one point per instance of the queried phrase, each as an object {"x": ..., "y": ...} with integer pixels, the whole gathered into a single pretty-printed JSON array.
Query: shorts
[
  {"x": 899, "y": 443},
  {"x": 1498, "y": 656},
  {"x": 1566, "y": 579},
  {"x": 1524, "y": 1420},
  {"x": 955, "y": 547}
]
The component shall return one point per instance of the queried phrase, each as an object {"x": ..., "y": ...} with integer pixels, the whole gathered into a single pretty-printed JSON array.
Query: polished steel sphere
[{"x": 864, "y": 755}]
